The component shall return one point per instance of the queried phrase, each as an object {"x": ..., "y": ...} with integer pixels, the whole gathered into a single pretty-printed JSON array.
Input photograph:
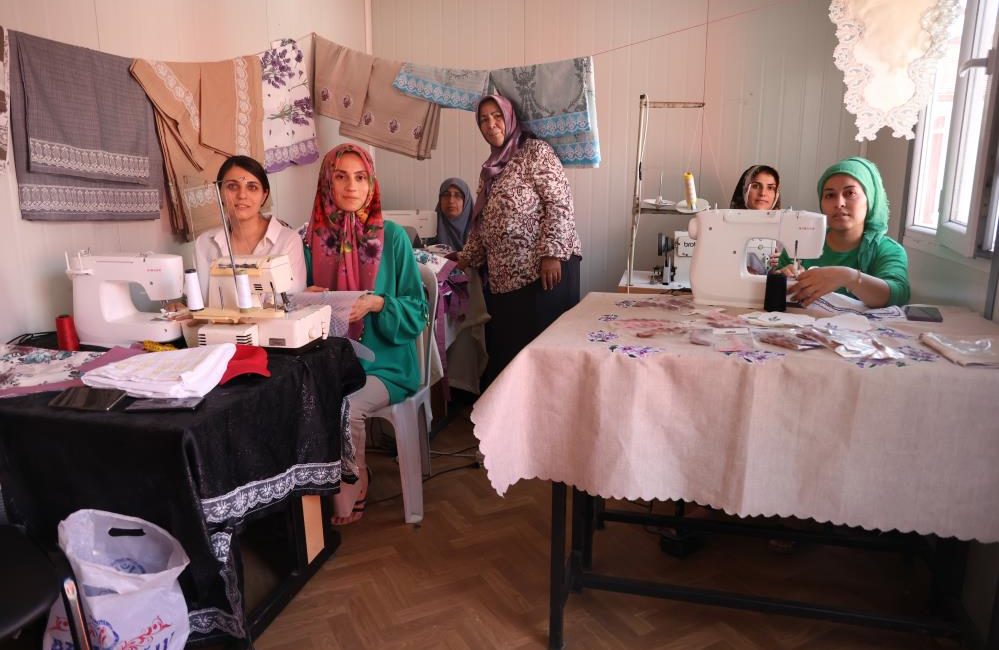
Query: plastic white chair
[{"x": 412, "y": 432}]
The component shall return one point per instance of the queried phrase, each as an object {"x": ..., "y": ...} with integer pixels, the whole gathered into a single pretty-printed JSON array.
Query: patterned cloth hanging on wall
[
  {"x": 289, "y": 127},
  {"x": 888, "y": 52},
  {"x": 205, "y": 112},
  {"x": 82, "y": 133},
  {"x": 4, "y": 99},
  {"x": 356, "y": 89}
]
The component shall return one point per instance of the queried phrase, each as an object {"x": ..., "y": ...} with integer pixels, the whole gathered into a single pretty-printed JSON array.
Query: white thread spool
[
  {"x": 192, "y": 289},
  {"x": 691, "y": 192},
  {"x": 243, "y": 298}
]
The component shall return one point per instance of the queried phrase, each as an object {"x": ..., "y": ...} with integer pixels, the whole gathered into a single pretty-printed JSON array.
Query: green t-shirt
[{"x": 890, "y": 264}]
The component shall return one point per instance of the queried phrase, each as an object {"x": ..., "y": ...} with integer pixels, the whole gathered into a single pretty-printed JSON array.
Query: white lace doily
[{"x": 888, "y": 51}]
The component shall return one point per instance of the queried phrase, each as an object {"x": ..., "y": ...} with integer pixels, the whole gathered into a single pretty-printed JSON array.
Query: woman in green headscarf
[{"x": 858, "y": 258}]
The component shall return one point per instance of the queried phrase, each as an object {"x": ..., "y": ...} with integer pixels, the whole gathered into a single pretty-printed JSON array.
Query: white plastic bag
[{"x": 127, "y": 571}]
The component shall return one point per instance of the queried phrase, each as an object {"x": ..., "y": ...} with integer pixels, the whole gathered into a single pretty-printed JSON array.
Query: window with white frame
[{"x": 952, "y": 197}]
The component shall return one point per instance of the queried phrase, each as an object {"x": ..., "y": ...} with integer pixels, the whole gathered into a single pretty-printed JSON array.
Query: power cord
[{"x": 432, "y": 476}]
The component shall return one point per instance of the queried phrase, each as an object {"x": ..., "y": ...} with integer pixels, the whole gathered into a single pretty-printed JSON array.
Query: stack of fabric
[
  {"x": 192, "y": 372},
  {"x": 83, "y": 134},
  {"x": 356, "y": 89}
]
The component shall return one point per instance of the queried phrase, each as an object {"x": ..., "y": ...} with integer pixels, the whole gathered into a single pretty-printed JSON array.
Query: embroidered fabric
[
  {"x": 64, "y": 156},
  {"x": 888, "y": 51},
  {"x": 246, "y": 498},
  {"x": 82, "y": 200},
  {"x": 448, "y": 87},
  {"x": 179, "y": 91},
  {"x": 243, "y": 107},
  {"x": 4, "y": 101}
]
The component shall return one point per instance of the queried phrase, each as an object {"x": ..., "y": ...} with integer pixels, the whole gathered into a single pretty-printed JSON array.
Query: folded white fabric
[{"x": 176, "y": 373}]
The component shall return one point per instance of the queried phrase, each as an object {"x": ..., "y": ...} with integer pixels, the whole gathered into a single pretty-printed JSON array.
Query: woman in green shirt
[
  {"x": 354, "y": 249},
  {"x": 858, "y": 258}
]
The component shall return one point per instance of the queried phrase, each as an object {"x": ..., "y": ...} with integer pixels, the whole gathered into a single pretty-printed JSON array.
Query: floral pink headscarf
[{"x": 346, "y": 246}]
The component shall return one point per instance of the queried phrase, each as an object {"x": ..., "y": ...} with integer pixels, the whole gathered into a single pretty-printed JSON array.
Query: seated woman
[
  {"x": 245, "y": 188},
  {"x": 454, "y": 212},
  {"x": 758, "y": 189},
  {"x": 354, "y": 249},
  {"x": 858, "y": 258}
]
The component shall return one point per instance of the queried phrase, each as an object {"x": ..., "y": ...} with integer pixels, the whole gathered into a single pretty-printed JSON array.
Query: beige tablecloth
[{"x": 911, "y": 445}]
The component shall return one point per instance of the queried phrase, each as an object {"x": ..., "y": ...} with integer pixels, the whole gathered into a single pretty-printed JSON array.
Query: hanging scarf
[
  {"x": 741, "y": 192},
  {"x": 499, "y": 156},
  {"x": 346, "y": 246},
  {"x": 454, "y": 232},
  {"x": 876, "y": 222}
]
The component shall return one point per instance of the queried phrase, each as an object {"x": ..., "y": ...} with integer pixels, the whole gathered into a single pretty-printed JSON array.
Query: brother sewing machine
[
  {"x": 270, "y": 321},
  {"x": 103, "y": 309},
  {"x": 718, "y": 274}
]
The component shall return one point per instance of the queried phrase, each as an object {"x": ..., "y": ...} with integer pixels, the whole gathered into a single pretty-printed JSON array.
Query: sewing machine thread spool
[
  {"x": 192, "y": 289},
  {"x": 690, "y": 190},
  {"x": 66, "y": 336},
  {"x": 243, "y": 298}
]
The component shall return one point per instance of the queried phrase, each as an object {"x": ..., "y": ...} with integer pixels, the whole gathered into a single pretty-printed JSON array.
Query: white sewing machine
[
  {"x": 102, "y": 301},
  {"x": 718, "y": 274},
  {"x": 268, "y": 323}
]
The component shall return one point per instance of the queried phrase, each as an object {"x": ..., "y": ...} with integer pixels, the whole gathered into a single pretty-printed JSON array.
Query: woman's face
[
  {"x": 491, "y": 123},
  {"x": 452, "y": 202},
  {"x": 762, "y": 192},
  {"x": 243, "y": 194},
  {"x": 844, "y": 204},
  {"x": 351, "y": 183}
]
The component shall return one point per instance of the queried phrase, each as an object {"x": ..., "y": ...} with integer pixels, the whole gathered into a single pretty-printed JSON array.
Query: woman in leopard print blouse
[{"x": 524, "y": 233}]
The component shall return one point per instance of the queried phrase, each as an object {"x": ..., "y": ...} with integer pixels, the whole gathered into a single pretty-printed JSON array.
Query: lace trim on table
[{"x": 249, "y": 497}]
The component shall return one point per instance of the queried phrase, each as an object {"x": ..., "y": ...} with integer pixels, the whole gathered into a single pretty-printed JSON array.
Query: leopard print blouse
[{"x": 529, "y": 216}]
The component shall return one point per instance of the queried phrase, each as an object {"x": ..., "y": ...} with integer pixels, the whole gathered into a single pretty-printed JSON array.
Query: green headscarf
[{"x": 876, "y": 222}]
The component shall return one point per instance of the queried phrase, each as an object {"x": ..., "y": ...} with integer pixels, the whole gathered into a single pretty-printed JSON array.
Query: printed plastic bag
[{"x": 127, "y": 571}]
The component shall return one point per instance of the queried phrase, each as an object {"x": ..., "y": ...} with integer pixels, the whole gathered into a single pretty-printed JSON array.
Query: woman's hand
[
  {"x": 369, "y": 303},
  {"x": 818, "y": 281},
  {"x": 551, "y": 272},
  {"x": 793, "y": 270}
]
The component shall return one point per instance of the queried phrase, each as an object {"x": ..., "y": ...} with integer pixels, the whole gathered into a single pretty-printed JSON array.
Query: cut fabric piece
[
  {"x": 575, "y": 148},
  {"x": 46, "y": 196},
  {"x": 4, "y": 99},
  {"x": 550, "y": 97},
  {"x": 205, "y": 112},
  {"x": 289, "y": 127},
  {"x": 447, "y": 87},
  {"x": 341, "y": 81},
  {"x": 85, "y": 116},
  {"x": 392, "y": 120},
  {"x": 888, "y": 52}
]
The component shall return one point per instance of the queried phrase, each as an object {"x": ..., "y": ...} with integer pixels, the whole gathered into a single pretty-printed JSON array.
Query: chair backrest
[{"x": 426, "y": 341}]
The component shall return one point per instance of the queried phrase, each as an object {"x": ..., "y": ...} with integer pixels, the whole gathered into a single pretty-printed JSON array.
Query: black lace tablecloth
[{"x": 201, "y": 475}]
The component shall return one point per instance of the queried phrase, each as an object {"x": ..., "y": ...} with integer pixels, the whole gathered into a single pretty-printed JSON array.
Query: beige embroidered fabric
[
  {"x": 341, "y": 80},
  {"x": 205, "y": 112},
  {"x": 392, "y": 120},
  {"x": 805, "y": 434}
]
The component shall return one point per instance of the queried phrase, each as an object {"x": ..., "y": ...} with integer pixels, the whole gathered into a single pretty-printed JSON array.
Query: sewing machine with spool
[
  {"x": 718, "y": 273},
  {"x": 270, "y": 320},
  {"x": 103, "y": 309}
]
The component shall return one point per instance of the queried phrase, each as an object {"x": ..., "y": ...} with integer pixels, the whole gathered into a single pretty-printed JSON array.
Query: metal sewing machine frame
[{"x": 644, "y": 104}]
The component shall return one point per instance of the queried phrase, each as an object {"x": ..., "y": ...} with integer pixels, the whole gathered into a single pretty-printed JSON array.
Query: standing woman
[
  {"x": 454, "y": 213},
  {"x": 524, "y": 232},
  {"x": 858, "y": 258},
  {"x": 245, "y": 189},
  {"x": 354, "y": 249}
]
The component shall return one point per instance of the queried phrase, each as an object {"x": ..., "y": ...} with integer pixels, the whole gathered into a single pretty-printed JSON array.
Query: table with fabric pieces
[
  {"x": 614, "y": 400},
  {"x": 256, "y": 447},
  {"x": 460, "y": 357}
]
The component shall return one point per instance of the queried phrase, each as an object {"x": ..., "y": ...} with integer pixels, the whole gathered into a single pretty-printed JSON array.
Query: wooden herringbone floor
[{"x": 475, "y": 576}]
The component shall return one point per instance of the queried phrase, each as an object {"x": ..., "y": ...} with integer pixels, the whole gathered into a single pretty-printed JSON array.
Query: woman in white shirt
[{"x": 245, "y": 188}]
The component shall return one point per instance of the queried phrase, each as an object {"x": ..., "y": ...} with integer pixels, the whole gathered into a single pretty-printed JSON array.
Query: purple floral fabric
[{"x": 289, "y": 124}]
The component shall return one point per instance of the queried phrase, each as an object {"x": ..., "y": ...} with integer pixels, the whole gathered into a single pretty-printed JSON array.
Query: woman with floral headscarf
[
  {"x": 858, "y": 258},
  {"x": 523, "y": 231},
  {"x": 354, "y": 249}
]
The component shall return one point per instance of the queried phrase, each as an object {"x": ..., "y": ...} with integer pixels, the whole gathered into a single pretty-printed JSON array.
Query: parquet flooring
[{"x": 475, "y": 576}]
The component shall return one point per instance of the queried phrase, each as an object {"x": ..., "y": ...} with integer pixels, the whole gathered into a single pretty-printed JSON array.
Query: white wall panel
[
  {"x": 765, "y": 72},
  {"x": 33, "y": 287}
]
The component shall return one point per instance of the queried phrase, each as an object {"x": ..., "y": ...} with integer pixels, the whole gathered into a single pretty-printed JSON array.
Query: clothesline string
[{"x": 706, "y": 23}]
